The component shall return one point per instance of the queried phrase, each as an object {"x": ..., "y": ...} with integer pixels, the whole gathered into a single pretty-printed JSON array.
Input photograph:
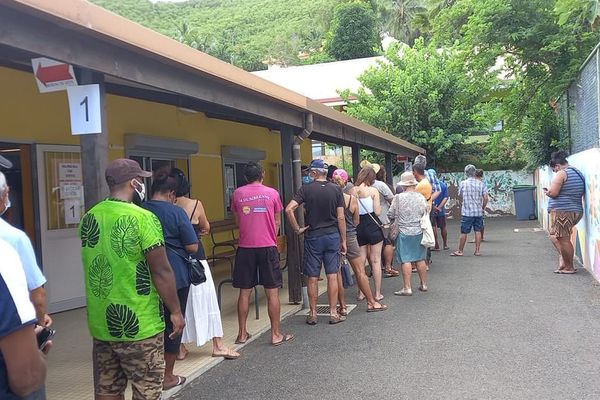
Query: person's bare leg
[
  {"x": 462, "y": 243},
  {"x": 388, "y": 257},
  {"x": 567, "y": 252},
  {"x": 477, "y": 243},
  {"x": 482, "y": 233},
  {"x": 556, "y": 243},
  {"x": 375, "y": 261},
  {"x": 358, "y": 265},
  {"x": 183, "y": 352},
  {"x": 243, "y": 307},
  {"x": 313, "y": 293},
  {"x": 406, "y": 275},
  {"x": 422, "y": 271},
  {"x": 332, "y": 291},
  {"x": 445, "y": 237},
  {"x": 435, "y": 235},
  {"x": 274, "y": 309},
  {"x": 341, "y": 292},
  {"x": 363, "y": 257},
  {"x": 170, "y": 379}
]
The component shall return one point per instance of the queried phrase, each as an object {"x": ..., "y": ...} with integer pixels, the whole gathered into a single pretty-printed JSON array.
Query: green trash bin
[{"x": 525, "y": 202}]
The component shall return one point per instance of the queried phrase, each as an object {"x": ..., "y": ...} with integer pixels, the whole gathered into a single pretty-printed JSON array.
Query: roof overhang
[{"x": 88, "y": 36}]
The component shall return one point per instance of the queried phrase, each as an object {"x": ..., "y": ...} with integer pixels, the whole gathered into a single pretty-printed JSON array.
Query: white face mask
[
  {"x": 141, "y": 191},
  {"x": 7, "y": 205}
]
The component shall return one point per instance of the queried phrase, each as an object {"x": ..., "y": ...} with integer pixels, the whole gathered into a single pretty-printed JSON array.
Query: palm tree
[{"x": 397, "y": 18}]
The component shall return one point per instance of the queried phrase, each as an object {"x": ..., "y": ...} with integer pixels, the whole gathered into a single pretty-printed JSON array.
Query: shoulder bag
[
  {"x": 428, "y": 239},
  {"x": 347, "y": 279},
  {"x": 195, "y": 268},
  {"x": 394, "y": 225}
]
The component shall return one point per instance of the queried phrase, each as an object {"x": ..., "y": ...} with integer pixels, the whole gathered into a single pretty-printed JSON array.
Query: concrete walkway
[{"x": 500, "y": 326}]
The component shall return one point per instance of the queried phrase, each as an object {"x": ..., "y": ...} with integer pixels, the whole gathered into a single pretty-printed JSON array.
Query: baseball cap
[
  {"x": 5, "y": 163},
  {"x": 318, "y": 164},
  {"x": 123, "y": 169}
]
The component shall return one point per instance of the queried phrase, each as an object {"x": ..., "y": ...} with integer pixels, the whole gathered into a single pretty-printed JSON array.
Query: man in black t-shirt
[{"x": 325, "y": 235}]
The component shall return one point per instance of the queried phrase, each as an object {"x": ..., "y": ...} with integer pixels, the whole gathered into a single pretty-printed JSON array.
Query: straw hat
[
  {"x": 366, "y": 163},
  {"x": 408, "y": 179}
]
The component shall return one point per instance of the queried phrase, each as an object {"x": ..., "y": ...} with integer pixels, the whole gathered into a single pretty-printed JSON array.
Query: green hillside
[{"x": 244, "y": 32}]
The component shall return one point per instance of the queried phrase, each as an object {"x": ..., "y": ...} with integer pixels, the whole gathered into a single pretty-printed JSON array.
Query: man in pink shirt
[{"x": 257, "y": 210}]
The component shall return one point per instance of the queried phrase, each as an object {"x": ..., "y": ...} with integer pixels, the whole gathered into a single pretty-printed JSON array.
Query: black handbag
[
  {"x": 347, "y": 279},
  {"x": 195, "y": 268}
]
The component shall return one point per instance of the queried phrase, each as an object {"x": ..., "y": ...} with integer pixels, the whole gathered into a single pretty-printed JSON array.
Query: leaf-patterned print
[
  {"x": 122, "y": 321},
  {"x": 100, "y": 277},
  {"x": 90, "y": 231},
  {"x": 142, "y": 278},
  {"x": 124, "y": 237},
  {"x": 161, "y": 310}
]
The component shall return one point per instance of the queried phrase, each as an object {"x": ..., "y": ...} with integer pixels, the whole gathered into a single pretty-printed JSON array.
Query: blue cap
[{"x": 318, "y": 164}]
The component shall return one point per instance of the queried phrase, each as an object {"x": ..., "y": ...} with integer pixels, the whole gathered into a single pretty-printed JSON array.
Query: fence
[{"x": 580, "y": 107}]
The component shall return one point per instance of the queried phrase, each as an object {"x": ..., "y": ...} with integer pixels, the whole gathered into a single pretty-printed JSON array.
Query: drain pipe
[{"x": 297, "y": 174}]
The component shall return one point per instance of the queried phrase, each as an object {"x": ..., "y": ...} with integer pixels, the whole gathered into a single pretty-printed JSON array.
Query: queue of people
[{"x": 143, "y": 306}]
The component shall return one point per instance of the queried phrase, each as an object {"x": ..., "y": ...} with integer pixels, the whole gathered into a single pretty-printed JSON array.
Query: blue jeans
[
  {"x": 319, "y": 250},
  {"x": 468, "y": 223}
]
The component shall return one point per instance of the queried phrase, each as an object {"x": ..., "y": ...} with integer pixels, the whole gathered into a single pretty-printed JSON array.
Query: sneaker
[
  {"x": 404, "y": 292},
  {"x": 423, "y": 288}
]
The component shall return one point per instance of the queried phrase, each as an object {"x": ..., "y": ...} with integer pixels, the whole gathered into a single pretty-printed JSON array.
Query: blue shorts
[
  {"x": 321, "y": 250},
  {"x": 468, "y": 223}
]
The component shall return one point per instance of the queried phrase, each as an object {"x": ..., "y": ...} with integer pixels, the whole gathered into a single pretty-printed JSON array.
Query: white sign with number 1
[{"x": 84, "y": 105}]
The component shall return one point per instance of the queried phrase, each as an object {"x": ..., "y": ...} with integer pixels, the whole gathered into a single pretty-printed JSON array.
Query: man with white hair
[
  {"x": 474, "y": 199},
  {"x": 21, "y": 243}
]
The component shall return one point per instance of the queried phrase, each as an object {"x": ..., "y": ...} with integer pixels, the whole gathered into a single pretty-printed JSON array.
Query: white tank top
[{"x": 365, "y": 205}]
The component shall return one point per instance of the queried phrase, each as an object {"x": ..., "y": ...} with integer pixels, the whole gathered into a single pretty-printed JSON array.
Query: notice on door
[{"x": 72, "y": 211}]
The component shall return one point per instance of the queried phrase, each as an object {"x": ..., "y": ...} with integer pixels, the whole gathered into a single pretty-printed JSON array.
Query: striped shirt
[
  {"x": 472, "y": 192},
  {"x": 571, "y": 193}
]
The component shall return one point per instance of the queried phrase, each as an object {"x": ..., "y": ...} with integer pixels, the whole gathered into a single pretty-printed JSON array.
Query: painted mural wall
[
  {"x": 586, "y": 236},
  {"x": 500, "y": 189}
]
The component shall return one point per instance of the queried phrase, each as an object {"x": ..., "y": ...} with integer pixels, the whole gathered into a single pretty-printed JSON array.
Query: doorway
[{"x": 19, "y": 178}]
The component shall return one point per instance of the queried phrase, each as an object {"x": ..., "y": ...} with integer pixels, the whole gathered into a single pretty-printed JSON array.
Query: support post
[
  {"x": 293, "y": 259},
  {"x": 355, "y": 159},
  {"x": 388, "y": 169},
  {"x": 94, "y": 148}
]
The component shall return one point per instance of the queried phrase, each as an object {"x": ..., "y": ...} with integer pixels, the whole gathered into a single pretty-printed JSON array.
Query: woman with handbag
[
  {"x": 180, "y": 241},
  {"x": 369, "y": 231},
  {"x": 202, "y": 316},
  {"x": 353, "y": 253},
  {"x": 407, "y": 211}
]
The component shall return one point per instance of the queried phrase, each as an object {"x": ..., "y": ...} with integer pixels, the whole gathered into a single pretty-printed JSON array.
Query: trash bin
[{"x": 525, "y": 202}]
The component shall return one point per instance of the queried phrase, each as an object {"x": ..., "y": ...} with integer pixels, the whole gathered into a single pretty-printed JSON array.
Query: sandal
[
  {"x": 336, "y": 319},
  {"x": 180, "y": 381},
  {"x": 456, "y": 254},
  {"x": 311, "y": 320},
  {"x": 565, "y": 271},
  {"x": 240, "y": 341},
  {"x": 228, "y": 355},
  {"x": 343, "y": 311},
  {"x": 391, "y": 272},
  {"x": 287, "y": 337},
  {"x": 377, "y": 309}
]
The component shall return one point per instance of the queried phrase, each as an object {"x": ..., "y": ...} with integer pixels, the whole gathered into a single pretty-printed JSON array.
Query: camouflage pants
[{"x": 141, "y": 362}]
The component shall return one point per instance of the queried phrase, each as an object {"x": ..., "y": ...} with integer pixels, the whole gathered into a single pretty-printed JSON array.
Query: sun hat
[
  {"x": 408, "y": 179},
  {"x": 367, "y": 163},
  {"x": 340, "y": 174}
]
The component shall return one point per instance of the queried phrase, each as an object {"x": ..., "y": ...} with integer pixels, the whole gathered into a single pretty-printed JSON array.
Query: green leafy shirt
[{"x": 122, "y": 301}]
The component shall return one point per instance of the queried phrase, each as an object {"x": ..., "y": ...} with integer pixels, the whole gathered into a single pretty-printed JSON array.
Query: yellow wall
[{"x": 30, "y": 117}]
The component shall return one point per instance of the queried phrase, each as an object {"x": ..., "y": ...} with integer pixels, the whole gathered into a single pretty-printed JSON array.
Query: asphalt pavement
[{"x": 499, "y": 326}]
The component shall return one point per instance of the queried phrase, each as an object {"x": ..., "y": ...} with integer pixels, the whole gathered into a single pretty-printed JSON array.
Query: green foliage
[
  {"x": 246, "y": 33},
  {"x": 399, "y": 18},
  {"x": 581, "y": 12},
  {"x": 423, "y": 95},
  {"x": 353, "y": 32},
  {"x": 541, "y": 54}
]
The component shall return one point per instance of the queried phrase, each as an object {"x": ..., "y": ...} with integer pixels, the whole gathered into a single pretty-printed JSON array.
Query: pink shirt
[{"x": 256, "y": 205}]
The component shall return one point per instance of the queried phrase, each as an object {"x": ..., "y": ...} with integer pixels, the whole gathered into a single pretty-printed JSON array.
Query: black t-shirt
[{"x": 321, "y": 200}]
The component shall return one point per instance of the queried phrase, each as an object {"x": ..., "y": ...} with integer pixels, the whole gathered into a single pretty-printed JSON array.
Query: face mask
[
  {"x": 6, "y": 205},
  {"x": 307, "y": 179},
  {"x": 141, "y": 192}
]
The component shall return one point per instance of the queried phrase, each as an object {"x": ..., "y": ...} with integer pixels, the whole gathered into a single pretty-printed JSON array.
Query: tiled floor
[{"x": 70, "y": 368}]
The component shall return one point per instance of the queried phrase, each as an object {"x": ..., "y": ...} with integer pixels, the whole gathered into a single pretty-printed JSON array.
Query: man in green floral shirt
[{"x": 127, "y": 273}]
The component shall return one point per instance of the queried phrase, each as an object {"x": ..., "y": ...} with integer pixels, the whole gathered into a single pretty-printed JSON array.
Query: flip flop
[
  {"x": 477, "y": 254},
  {"x": 378, "y": 299},
  {"x": 240, "y": 341},
  {"x": 228, "y": 355},
  {"x": 377, "y": 309},
  {"x": 287, "y": 337},
  {"x": 456, "y": 254},
  {"x": 180, "y": 381},
  {"x": 310, "y": 320},
  {"x": 563, "y": 272},
  {"x": 446, "y": 248}
]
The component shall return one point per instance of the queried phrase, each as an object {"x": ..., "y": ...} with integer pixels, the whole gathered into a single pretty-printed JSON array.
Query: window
[{"x": 234, "y": 161}]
